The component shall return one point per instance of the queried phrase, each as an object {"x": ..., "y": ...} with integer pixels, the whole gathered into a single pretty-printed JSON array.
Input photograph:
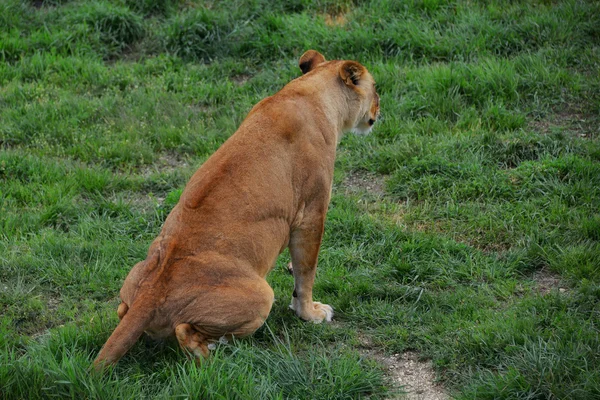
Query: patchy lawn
[{"x": 462, "y": 242}]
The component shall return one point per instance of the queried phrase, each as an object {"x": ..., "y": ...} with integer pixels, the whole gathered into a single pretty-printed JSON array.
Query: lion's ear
[
  {"x": 310, "y": 60},
  {"x": 351, "y": 72}
]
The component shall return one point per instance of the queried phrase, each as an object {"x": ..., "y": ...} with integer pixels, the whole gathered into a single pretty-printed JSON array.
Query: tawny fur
[{"x": 266, "y": 188}]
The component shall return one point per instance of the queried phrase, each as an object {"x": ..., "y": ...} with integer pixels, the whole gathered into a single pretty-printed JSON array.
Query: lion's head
[{"x": 358, "y": 84}]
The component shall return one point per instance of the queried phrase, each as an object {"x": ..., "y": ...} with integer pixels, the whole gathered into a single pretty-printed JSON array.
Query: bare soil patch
[
  {"x": 571, "y": 118},
  {"x": 166, "y": 162},
  {"x": 240, "y": 79},
  {"x": 361, "y": 181},
  {"x": 547, "y": 281},
  {"x": 413, "y": 377},
  {"x": 474, "y": 238}
]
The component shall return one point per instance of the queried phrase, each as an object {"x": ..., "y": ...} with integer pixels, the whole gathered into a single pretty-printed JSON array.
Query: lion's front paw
[
  {"x": 323, "y": 309},
  {"x": 317, "y": 313}
]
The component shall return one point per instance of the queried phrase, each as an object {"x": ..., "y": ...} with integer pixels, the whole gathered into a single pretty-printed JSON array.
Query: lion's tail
[{"x": 128, "y": 331}]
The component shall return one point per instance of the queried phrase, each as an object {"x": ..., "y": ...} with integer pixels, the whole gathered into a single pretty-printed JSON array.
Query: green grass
[{"x": 488, "y": 152}]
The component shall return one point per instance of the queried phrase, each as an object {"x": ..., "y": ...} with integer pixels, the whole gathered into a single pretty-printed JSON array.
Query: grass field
[{"x": 466, "y": 228}]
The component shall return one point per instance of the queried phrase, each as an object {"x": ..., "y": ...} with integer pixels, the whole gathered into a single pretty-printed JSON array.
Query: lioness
[{"x": 266, "y": 188}]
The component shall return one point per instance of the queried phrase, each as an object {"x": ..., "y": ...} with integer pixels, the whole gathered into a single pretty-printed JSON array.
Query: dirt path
[{"x": 414, "y": 379}]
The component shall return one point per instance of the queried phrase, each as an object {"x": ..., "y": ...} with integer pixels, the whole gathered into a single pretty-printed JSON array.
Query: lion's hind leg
[{"x": 234, "y": 311}]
